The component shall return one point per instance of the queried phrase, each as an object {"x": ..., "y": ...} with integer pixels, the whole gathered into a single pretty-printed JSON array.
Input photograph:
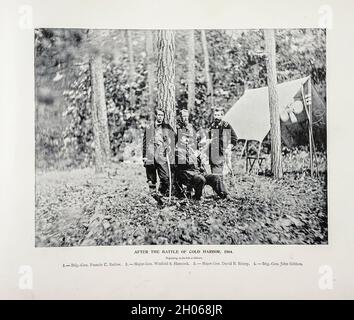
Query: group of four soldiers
[{"x": 182, "y": 159}]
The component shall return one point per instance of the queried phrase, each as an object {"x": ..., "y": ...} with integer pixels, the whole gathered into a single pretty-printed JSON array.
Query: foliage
[
  {"x": 80, "y": 208},
  {"x": 236, "y": 61}
]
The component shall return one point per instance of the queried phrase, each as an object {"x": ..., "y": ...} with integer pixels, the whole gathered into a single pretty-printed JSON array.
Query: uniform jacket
[
  {"x": 158, "y": 141},
  {"x": 219, "y": 133}
]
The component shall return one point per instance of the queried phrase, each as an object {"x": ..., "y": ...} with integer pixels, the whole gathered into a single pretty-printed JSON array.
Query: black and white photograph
[{"x": 180, "y": 137}]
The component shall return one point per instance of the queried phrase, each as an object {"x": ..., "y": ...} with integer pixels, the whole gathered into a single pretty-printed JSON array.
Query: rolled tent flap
[{"x": 298, "y": 106}]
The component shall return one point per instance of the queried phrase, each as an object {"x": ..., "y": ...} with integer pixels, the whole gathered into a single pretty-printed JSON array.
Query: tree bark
[
  {"x": 166, "y": 75},
  {"x": 132, "y": 98},
  {"x": 275, "y": 133},
  {"x": 191, "y": 70},
  {"x": 151, "y": 72},
  {"x": 210, "y": 92},
  {"x": 98, "y": 105}
]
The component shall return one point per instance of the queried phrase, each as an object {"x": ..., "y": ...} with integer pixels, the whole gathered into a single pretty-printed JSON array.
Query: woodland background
[
  {"x": 64, "y": 134},
  {"x": 76, "y": 206}
]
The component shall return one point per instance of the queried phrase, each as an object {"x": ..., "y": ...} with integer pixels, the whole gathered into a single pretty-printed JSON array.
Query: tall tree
[
  {"x": 210, "y": 92},
  {"x": 98, "y": 104},
  {"x": 128, "y": 36},
  {"x": 191, "y": 70},
  {"x": 166, "y": 74},
  {"x": 150, "y": 71},
  {"x": 269, "y": 36}
]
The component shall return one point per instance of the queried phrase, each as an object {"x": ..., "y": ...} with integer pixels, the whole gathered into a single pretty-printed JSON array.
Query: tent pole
[
  {"x": 259, "y": 151},
  {"x": 246, "y": 156},
  {"x": 314, "y": 152},
  {"x": 310, "y": 125}
]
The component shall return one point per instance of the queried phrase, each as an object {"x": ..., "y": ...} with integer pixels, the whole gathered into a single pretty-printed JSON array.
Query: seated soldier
[
  {"x": 195, "y": 177},
  {"x": 186, "y": 173},
  {"x": 189, "y": 168}
]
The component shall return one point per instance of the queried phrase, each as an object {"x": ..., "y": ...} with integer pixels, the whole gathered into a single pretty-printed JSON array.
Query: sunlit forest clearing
[{"x": 95, "y": 88}]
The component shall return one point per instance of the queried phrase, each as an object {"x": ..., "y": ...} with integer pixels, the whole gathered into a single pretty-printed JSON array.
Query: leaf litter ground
[{"x": 79, "y": 208}]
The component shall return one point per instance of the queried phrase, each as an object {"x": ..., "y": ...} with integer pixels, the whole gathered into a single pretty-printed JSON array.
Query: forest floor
[{"x": 79, "y": 208}]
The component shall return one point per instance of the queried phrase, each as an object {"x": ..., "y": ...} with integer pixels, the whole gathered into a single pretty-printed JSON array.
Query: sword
[{"x": 169, "y": 174}]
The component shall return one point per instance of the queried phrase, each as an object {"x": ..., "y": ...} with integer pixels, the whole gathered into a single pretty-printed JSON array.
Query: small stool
[{"x": 251, "y": 160}]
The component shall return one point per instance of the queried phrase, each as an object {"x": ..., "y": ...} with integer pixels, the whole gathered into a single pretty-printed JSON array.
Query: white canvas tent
[
  {"x": 300, "y": 108},
  {"x": 250, "y": 118}
]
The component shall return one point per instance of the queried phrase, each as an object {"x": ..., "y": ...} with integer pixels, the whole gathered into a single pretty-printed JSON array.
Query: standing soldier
[
  {"x": 222, "y": 139},
  {"x": 158, "y": 146}
]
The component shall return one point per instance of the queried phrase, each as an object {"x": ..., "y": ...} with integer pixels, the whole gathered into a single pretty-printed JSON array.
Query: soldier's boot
[
  {"x": 198, "y": 183},
  {"x": 154, "y": 193}
]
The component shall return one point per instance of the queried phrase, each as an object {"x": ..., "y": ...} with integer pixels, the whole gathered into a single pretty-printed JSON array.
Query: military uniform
[
  {"x": 189, "y": 170},
  {"x": 219, "y": 133},
  {"x": 186, "y": 172},
  {"x": 158, "y": 144}
]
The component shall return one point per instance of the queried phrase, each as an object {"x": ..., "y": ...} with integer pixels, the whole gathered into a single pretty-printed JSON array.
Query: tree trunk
[
  {"x": 128, "y": 36},
  {"x": 275, "y": 134},
  {"x": 151, "y": 72},
  {"x": 166, "y": 75},
  {"x": 210, "y": 93},
  {"x": 99, "y": 109},
  {"x": 191, "y": 70}
]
